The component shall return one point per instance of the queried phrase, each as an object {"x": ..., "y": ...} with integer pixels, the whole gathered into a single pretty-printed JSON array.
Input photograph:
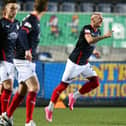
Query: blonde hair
[
  {"x": 96, "y": 17},
  {"x": 96, "y": 14}
]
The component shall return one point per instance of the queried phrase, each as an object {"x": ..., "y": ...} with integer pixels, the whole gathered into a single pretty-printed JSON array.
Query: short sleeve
[
  {"x": 86, "y": 30},
  {"x": 27, "y": 27}
]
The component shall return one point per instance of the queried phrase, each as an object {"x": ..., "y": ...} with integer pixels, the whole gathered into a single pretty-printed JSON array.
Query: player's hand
[
  {"x": 97, "y": 53},
  {"x": 28, "y": 55},
  {"x": 108, "y": 34}
]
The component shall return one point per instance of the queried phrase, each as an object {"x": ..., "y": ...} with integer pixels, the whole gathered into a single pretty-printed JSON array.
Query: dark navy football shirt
[
  {"x": 29, "y": 37},
  {"x": 83, "y": 49},
  {"x": 8, "y": 37}
]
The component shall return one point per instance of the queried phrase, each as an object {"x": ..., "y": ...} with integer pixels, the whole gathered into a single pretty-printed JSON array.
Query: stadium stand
[
  {"x": 104, "y": 7},
  {"x": 68, "y": 7},
  {"x": 52, "y": 6},
  {"x": 86, "y": 7},
  {"x": 29, "y": 5},
  {"x": 120, "y": 8}
]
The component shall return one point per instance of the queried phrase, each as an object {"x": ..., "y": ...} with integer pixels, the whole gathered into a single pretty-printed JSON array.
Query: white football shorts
[
  {"x": 25, "y": 69},
  {"x": 7, "y": 71},
  {"x": 73, "y": 70}
]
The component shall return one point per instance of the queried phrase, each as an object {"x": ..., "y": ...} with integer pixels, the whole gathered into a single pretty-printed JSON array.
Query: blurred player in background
[
  {"x": 9, "y": 27},
  {"x": 77, "y": 64},
  {"x": 53, "y": 23},
  {"x": 28, "y": 39},
  {"x": 74, "y": 26}
]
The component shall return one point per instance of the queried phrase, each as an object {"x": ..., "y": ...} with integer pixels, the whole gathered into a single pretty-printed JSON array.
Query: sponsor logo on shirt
[{"x": 13, "y": 35}]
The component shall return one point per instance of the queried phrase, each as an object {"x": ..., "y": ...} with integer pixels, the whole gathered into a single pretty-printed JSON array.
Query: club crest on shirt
[
  {"x": 7, "y": 26},
  {"x": 13, "y": 35}
]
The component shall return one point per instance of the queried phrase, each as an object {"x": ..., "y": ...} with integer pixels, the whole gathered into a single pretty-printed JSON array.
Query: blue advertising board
[{"x": 112, "y": 77}]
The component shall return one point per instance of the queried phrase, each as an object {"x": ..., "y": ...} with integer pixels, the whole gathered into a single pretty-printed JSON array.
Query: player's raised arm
[{"x": 91, "y": 39}]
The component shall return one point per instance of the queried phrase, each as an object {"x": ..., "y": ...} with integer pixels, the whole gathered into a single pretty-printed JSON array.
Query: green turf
[{"x": 78, "y": 117}]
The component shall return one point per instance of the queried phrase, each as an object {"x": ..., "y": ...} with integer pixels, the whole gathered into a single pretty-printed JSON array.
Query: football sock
[
  {"x": 0, "y": 106},
  {"x": 90, "y": 85},
  {"x": 76, "y": 95},
  {"x": 57, "y": 91},
  {"x": 51, "y": 106},
  {"x": 17, "y": 99},
  {"x": 30, "y": 104},
  {"x": 5, "y": 99}
]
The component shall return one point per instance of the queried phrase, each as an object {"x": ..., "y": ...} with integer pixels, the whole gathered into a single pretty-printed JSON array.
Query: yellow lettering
[
  {"x": 100, "y": 71},
  {"x": 92, "y": 93},
  {"x": 72, "y": 88},
  {"x": 81, "y": 78},
  {"x": 85, "y": 95},
  {"x": 112, "y": 88},
  {"x": 110, "y": 68},
  {"x": 106, "y": 90},
  {"x": 109, "y": 90},
  {"x": 122, "y": 72},
  {"x": 123, "y": 90},
  {"x": 99, "y": 94},
  {"x": 118, "y": 90}
]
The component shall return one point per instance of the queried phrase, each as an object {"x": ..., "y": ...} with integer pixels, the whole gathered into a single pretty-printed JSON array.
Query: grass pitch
[{"x": 77, "y": 117}]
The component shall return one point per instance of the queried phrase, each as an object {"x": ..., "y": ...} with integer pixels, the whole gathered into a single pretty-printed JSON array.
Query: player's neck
[
  {"x": 37, "y": 14},
  {"x": 95, "y": 28},
  {"x": 9, "y": 19}
]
